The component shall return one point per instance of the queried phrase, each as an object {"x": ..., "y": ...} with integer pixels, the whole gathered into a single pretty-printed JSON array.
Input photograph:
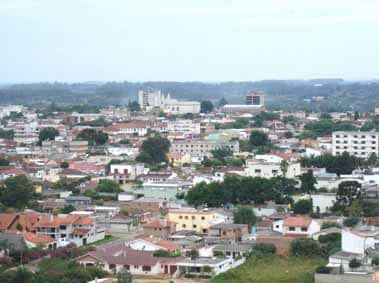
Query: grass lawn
[{"x": 272, "y": 269}]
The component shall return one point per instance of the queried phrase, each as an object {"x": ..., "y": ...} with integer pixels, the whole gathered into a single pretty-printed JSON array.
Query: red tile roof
[
  {"x": 168, "y": 245},
  {"x": 297, "y": 221},
  {"x": 37, "y": 239}
]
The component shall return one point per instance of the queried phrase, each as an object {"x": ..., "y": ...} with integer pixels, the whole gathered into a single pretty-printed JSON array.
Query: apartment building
[
  {"x": 202, "y": 148},
  {"x": 122, "y": 173},
  {"x": 196, "y": 220},
  {"x": 356, "y": 143}
]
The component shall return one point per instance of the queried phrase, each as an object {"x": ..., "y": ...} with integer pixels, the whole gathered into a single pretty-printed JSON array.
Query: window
[
  {"x": 304, "y": 229},
  {"x": 184, "y": 226},
  {"x": 185, "y": 217},
  {"x": 202, "y": 217},
  {"x": 205, "y": 231},
  {"x": 193, "y": 217},
  {"x": 127, "y": 267},
  {"x": 194, "y": 226},
  {"x": 180, "y": 217},
  {"x": 292, "y": 228},
  {"x": 146, "y": 268}
]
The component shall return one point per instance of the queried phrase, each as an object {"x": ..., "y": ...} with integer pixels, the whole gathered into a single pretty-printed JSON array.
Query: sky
[{"x": 188, "y": 40}]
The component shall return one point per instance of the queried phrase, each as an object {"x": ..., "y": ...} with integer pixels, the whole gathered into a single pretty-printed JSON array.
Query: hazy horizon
[{"x": 196, "y": 40}]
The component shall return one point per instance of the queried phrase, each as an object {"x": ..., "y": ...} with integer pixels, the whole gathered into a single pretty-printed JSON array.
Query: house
[
  {"x": 168, "y": 190},
  {"x": 206, "y": 266},
  {"x": 123, "y": 173},
  {"x": 21, "y": 221},
  {"x": 193, "y": 219},
  {"x": 159, "y": 229},
  {"x": 229, "y": 231},
  {"x": 10, "y": 171},
  {"x": 178, "y": 159},
  {"x": 72, "y": 174},
  {"x": 296, "y": 226},
  {"x": 78, "y": 200},
  {"x": 112, "y": 258},
  {"x": 66, "y": 229},
  {"x": 234, "y": 251}
]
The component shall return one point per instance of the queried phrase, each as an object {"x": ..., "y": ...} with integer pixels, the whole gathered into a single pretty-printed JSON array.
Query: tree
[
  {"x": 308, "y": 182},
  {"x": 6, "y": 134},
  {"x": 154, "y": 150},
  {"x": 284, "y": 167},
  {"x": 372, "y": 160},
  {"x": 93, "y": 136},
  {"x": 221, "y": 153},
  {"x": 108, "y": 186},
  {"x": 354, "y": 263},
  {"x": 245, "y": 215},
  {"x": 206, "y": 106},
  {"x": 4, "y": 162},
  {"x": 355, "y": 209},
  {"x": 193, "y": 254},
  {"x": 64, "y": 165},
  {"x": 303, "y": 206},
  {"x": 67, "y": 209},
  {"x": 258, "y": 138},
  {"x": 17, "y": 192},
  {"x": 351, "y": 221},
  {"x": 124, "y": 276},
  {"x": 347, "y": 192},
  {"x": 47, "y": 134},
  {"x": 134, "y": 106},
  {"x": 305, "y": 247},
  {"x": 222, "y": 102},
  {"x": 288, "y": 135}
]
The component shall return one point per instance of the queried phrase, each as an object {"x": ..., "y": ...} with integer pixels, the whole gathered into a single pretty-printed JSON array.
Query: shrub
[
  {"x": 305, "y": 247},
  {"x": 323, "y": 269},
  {"x": 351, "y": 221},
  {"x": 333, "y": 237},
  {"x": 327, "y": 225},
  {"x": 264, "y": 248},
  {"x": 354, "y": 263},
  {"x": 375, "y": 260}
]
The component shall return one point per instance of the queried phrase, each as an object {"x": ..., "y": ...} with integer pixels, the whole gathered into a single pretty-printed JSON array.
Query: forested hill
[{"x": 338, "y": 95}]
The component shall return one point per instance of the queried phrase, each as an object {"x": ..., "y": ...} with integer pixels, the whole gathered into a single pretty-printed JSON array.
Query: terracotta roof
[
  {"x": 37, "y": 239},
  {"x": 297, "y": 221},
  {"x": 373, "y": 221},
  {"x": 26, "y": 219},
  {"x": 55, "y": 221},
  {"x": 168, "y": 245},
  {"x": 80, "y": 231},
  {"x": 158, "y": 224},
  {"x": 69, "y": 171}
]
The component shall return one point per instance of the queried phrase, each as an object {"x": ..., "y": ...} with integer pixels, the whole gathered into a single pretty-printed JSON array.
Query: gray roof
[{"x": 228, "y": 226}]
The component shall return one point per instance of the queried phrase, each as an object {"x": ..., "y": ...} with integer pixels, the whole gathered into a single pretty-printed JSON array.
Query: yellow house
[
  {"x": 193, "y": 219},
  {"x": 177, "y": 159}
]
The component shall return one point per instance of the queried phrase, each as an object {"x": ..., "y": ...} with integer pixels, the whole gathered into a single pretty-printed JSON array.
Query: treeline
[
  {"x": 242, "y": 190},
  {"x": 342, "y": 164},
  {"x": 284, "y": 95}
]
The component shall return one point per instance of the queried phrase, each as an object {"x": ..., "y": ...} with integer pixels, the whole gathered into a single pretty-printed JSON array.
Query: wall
[{"x": 346, "y": 278}]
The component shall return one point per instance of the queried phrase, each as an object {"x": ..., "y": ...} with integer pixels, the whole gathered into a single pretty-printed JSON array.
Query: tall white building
[
  {"x": 359, "y": 144},
  {"x": 149, "y": 99},
  {"x": 254, "y": 104}
]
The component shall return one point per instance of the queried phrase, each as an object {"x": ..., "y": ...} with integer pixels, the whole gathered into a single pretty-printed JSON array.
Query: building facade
[{"x": 358, "y": 144}]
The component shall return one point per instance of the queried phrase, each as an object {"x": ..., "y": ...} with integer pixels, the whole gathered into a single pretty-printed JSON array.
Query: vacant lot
[{"x": 272, "y": 269}]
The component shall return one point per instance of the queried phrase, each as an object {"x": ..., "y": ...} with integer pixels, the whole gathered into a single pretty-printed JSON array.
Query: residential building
[
  {"x": 358, "y": 144},
  {"x": 196, "y": 220},
  {"x": 159, "y": 229},
  {"x": 202, "y": 148},
  {"x": 122, "y": 173},
  {"x": 229, "y": 231},
  {"x": 295, "y": 226}
]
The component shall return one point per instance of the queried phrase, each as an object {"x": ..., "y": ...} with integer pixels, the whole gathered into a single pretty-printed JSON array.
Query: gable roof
[{"x": 297, "y": 221}]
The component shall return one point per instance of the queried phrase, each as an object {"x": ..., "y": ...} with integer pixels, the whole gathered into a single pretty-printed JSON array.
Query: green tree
[
  {"x": 64, "y": 165},
  {"x": 303, "y": 206},
  {"x": 305, "y": 247},
  {"x": 222, "y": 102},
  {"x": 308, "y": 182},
  {"x": 245, "y": 215},
  {"x": 351, "y": 221},
  {"x": 221, "y": 153},
  {"x": 93, "y": 136},
  {"x": 17, "y": 192},
  {"x": 6, "y": 134},
  {"x": 134, "y": 106},
  {"x": 347, "y": 192},
  {"x": 206, "y": 106},
  {"x": 47, "y": 134},
  {"x": 258, "y": 138},
  {"x": 372, "y": 160},
  {"x": 154, "y": 150},
  {"x": 4, "y": 162},
  {"x": 67, "y": 209},
  {"x": 108, "y": 186},
  {"x": 124, "y": 276}
]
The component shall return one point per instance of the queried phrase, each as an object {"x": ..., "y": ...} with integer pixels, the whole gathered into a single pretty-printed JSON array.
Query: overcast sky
[{"x": 186, "y": 40}]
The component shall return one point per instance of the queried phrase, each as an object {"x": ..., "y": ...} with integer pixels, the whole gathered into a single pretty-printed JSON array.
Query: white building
[
  {"x": 150, "y": 99},
  {"x": 359, "y": 144},
  {"x": 201, "y": 148},
  {"x": 183, "y": 127},
  {"x": 123, "y": 173},
  {"x": 297, "y": 226},
  {"x": 269, "y": 166}
]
